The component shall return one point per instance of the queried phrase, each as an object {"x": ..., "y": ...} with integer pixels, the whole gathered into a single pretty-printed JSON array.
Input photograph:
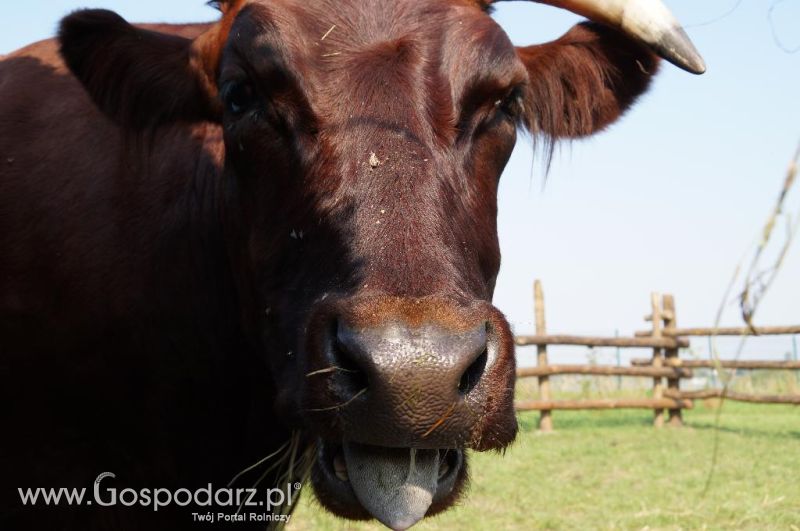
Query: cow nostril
[
  {"x": 349, "y": 375},
  {"x": 473, "y": 374}
]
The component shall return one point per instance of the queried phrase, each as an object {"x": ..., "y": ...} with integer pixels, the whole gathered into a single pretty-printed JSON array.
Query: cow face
[
  {"x": 363, "y": 146},
  {"x": 365, "y": 168}
]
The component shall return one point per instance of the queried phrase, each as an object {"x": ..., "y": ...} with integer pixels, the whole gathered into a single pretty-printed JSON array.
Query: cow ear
[
  {"x": 585, "y": 80},
  {"x": 137, "y": 77}
]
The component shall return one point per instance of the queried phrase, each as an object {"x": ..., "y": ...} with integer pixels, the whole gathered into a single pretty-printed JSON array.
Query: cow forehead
[
  {"x": 365, "y": 21},
  {"x": 341, "y": 45}
]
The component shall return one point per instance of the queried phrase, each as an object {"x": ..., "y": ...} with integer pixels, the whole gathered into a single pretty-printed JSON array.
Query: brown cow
[{"x": 275, "y": 235}]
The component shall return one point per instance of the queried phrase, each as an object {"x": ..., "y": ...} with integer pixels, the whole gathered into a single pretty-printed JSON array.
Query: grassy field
[{"x": 612, "y": 470}]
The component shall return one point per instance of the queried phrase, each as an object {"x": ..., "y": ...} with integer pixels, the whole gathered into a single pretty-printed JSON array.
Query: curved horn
[{"x": 648, "y": 21}]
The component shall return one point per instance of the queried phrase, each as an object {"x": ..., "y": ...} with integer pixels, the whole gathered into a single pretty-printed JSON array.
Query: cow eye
[
  {"x": 511, "y": 105},
  {"x": 238, "y": 96}
]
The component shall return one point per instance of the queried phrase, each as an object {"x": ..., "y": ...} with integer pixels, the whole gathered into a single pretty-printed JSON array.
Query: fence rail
[
  {"x": 605, "y": 403},
  {"x": 725, "y": 364},
  {"x": 665, "y": 339},
  {"x": 727, "y": 331},
  {"x": 589, "y": 341},
  {"x": 605, "y": 370},
  {"x": 734, "y": 395}
]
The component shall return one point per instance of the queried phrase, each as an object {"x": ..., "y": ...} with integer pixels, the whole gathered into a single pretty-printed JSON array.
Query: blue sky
[{"x": 668, "y": 199}]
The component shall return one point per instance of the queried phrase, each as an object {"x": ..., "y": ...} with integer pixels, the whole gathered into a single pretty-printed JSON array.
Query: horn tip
[
  {"x": 693, "y": 65},
  {"x": 676, "y": 47}
]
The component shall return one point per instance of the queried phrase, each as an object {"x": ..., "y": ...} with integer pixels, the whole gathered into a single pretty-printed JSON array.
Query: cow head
[{"x": 364, "y": 141}]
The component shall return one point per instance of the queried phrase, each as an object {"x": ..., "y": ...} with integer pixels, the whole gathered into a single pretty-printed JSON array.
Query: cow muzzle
[{"x": 396, "y": 392}]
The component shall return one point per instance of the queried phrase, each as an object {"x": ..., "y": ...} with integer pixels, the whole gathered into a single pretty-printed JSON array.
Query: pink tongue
[{"x": 396, "y": 485}]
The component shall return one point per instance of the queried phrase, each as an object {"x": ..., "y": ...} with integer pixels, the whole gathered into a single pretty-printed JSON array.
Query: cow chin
[{"x": 397, "y": 486}]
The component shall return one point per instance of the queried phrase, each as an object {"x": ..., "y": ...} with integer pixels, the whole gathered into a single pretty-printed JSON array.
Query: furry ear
[
  {"x": 585, "y": 80},
  {"x": 139, "y": 78},
  {"x": 223, "y": 6}
]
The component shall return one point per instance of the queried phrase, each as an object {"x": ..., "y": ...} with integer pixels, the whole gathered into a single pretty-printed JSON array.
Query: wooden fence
[{"x": 665, "y": 340}]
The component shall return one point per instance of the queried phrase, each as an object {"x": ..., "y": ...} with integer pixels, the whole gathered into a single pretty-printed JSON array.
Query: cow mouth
[{"x": 397, "y": 486}]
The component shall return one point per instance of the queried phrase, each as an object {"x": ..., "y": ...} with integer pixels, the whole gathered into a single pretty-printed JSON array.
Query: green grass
[{"x": 612, "y": 470}]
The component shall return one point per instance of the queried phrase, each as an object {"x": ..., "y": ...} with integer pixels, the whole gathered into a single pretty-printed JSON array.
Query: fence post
[
  {"x": 619, "y": 363},
  {"x": 672, "y": 357},
  {"x": 658, "y": 360},
  {"x": 545, "y": 416}
]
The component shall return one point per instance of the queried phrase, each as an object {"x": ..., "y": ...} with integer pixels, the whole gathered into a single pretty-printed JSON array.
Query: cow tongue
[{"x": 396, "y": 485}]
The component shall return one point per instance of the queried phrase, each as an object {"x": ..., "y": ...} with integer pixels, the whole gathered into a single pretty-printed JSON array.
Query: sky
[{"x": 668, "y": 199}]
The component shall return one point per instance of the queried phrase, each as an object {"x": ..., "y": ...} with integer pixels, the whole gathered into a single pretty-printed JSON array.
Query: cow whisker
[
  {"x": 329, "y": 369},
  {"x": 257, "y": 464},
  {"x": 290, "y": 455},
  {"x": 303, "y": 466},
  {"x": 261, "y": 478},
  {"x": 267, "y": 471},
  {"x": 339, "y": 406}
]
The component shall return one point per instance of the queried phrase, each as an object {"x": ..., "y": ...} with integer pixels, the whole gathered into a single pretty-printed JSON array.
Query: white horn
[{"x": 646, "y": 20}]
